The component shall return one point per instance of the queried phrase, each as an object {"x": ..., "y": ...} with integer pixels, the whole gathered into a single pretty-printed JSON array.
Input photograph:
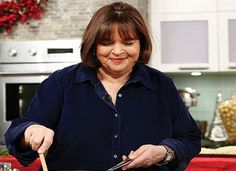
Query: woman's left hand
[{"x": 145, "y": 156}]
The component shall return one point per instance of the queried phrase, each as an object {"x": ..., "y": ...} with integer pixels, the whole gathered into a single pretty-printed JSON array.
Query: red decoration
[{"x": 13, "y": 11}]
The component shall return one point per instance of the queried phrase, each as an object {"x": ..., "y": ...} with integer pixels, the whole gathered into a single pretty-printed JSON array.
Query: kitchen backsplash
[
  {"x": 207, "y": 85},
  {"x": 64, "y": 19}
]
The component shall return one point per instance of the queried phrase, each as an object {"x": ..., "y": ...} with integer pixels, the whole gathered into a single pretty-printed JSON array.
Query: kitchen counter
[
  {"x": 219, "y": 159},
  {"x": 213, "y": 163},
  {"x": 203, "y": 162},
  {"x": 226, "y": 150}
]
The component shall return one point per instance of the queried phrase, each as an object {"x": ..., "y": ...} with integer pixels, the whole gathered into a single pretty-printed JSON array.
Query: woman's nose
[{"x": 117, "y": 50}]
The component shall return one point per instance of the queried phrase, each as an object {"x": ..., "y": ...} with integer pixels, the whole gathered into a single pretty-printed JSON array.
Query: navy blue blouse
[{"x": 91, "y": 133}]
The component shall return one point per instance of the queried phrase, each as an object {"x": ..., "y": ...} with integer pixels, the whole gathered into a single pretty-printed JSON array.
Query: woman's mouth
[{"x": 117, "y": 60}]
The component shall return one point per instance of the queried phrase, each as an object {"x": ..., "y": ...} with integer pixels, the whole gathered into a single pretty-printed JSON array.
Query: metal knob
[
  {"x": 33, "y": 52},
  {"x": 13, "y": 53}
]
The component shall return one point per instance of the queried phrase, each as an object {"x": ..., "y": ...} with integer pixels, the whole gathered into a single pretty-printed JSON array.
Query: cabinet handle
[
  {"x": 232, "y": 66},
  {"x": 194, "y": 68}
]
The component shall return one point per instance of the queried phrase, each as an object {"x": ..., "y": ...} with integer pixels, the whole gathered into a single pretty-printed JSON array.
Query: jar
[{"x": 227, "y": 111}]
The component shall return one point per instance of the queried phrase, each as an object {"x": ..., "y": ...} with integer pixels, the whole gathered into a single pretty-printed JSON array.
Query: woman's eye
[
  {"x": 106, "y": 42},
  {"x": 128, "y": 42}
]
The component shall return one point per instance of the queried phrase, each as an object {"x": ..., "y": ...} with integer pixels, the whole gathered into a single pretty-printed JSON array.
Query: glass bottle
[{"x": 217, "y": 131}]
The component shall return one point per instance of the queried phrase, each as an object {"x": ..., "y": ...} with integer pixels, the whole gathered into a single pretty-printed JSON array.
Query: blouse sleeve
[
  {"x": 44, "y": 109},
  {"x": 185, "y": 139}
]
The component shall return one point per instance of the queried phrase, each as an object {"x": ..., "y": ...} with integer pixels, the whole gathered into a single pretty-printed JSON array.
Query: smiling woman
[
  {"x": 110, "y": 23},
  {"x": 110, "y": 108}
]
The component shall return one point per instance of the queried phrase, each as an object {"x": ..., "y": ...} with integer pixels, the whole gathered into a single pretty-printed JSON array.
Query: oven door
[{"x": 16, "y": 92}]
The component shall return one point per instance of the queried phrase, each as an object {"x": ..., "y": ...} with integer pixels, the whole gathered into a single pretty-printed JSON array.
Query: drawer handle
[{"x": 194, "y": 68}]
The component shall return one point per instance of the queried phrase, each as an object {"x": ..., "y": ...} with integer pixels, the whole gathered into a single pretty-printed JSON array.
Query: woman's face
[{"x": 118, "y": 56}]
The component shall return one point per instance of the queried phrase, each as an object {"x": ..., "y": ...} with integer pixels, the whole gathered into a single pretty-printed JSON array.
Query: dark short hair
[{"x": 129, "y": 23}]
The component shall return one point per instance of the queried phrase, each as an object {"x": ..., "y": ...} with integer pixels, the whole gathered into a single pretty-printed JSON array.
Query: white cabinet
[
  {"x": 175, "y": 6},
  {"x": 227, "y": 41},
  {"x": 226, "y": 5},
  {"x": 192, "y": 35},
  {"x": 184, "y": 42}
]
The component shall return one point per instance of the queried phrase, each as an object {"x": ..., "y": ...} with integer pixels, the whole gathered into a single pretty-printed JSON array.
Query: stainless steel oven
[{"x": 23, "y": 66}]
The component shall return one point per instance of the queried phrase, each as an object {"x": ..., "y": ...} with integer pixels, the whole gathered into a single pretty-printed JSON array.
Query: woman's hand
[
  {"x": 38, "y": 137},
  {"x": 145, "y": 156}
]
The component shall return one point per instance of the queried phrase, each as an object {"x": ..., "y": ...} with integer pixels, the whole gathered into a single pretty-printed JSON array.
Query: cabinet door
[
  {"x": 184, "y": 42},
  {"x": 176, "y": 6},
  {"x": 226, "y": 5},
  {"x": 227, "y": 41}
]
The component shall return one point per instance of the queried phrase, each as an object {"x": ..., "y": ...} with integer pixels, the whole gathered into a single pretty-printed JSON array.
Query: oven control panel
[{"x": 44, "y": 51}]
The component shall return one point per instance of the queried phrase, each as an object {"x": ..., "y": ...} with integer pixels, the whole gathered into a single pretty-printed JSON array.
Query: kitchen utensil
[
  {"x": 121, "y": 164},
  {"x": 43, "y": 162},
  {"x": 189, "y": 96}
]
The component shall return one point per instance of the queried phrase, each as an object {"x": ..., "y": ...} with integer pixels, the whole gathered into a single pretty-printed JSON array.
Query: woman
[{"x": 109, "y": 108}]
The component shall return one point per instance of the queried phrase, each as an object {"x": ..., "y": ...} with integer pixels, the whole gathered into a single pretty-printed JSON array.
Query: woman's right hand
[{"x": 38, "y": 137}]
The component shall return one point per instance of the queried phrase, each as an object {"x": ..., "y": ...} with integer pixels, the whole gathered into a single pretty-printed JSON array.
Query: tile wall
[
  {"x": 64, "y": 19},
  {"x": 207, "y": 85}
]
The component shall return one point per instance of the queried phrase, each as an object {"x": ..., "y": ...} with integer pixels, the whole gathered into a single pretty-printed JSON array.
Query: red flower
[
  {"x": 3, "y": 19},
  {"x": 23, "y": 18},
  {"x": 14, "y": 11}
]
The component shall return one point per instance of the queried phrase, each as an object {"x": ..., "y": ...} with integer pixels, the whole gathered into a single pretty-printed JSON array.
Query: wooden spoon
[{"x": 43, "y": 162}]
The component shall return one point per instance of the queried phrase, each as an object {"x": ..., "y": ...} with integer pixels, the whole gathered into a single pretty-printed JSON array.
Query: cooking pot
[{"x": 189, "y": 96}]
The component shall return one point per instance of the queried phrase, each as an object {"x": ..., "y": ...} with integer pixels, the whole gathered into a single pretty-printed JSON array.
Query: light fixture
[{"x": 196, "y": 73}]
